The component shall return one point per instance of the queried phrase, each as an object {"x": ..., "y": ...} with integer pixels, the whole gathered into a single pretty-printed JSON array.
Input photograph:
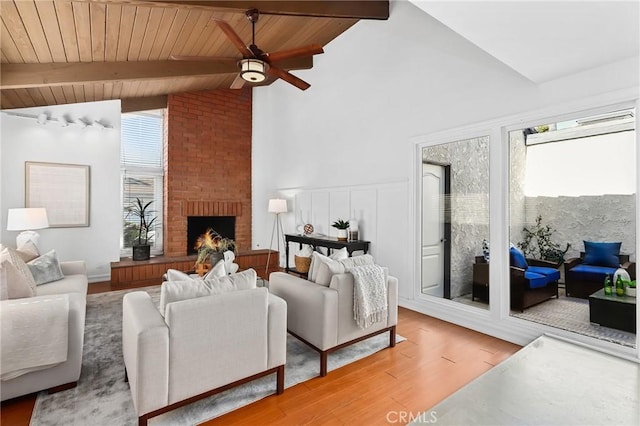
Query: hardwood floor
[{"x": 390, "y": 387}]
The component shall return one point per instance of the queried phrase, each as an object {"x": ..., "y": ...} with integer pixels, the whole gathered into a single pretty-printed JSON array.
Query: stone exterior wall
[
  {"x": 592, "y": 218},
  {"x": 517, "y": 175}
]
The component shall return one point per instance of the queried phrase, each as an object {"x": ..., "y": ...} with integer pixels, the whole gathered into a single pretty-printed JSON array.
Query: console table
[{"x": 328, "y": 242}]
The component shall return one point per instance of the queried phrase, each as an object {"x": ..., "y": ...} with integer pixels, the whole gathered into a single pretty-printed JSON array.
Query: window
[{"x": 141, "y": 163}]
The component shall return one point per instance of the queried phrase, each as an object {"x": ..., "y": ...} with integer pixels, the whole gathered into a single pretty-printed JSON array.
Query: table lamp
[{"x": 26, "y": 220}]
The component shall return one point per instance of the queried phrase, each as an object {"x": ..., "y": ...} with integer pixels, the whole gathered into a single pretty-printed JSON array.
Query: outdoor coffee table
[{"x": 613, "y": 311}]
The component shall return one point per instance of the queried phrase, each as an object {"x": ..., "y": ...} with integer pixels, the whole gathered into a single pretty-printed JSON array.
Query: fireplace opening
[{"x": 198, "y": 225}]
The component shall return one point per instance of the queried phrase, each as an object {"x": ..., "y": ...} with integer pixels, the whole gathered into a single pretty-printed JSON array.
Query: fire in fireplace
[{"x": 198, "y": 225}]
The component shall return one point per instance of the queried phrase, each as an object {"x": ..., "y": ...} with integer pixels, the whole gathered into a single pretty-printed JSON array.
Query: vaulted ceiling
[
  {"x": 545, "y": 40},
  {"x": 58, "y": 52}
]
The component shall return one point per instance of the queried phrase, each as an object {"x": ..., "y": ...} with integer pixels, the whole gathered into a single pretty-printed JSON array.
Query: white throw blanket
[
  {"x": 34, "y": 334},
  {"x": 369, "y": 295}
]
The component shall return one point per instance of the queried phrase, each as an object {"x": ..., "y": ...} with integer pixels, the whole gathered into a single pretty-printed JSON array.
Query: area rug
[
  {"x": 572, "y": 314},
  {"x": 103, "y": 398},
  {"x": 566, "y": 313}
]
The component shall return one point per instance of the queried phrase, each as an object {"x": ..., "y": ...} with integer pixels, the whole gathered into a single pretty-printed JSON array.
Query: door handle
[{"x": 442, "y": 240}]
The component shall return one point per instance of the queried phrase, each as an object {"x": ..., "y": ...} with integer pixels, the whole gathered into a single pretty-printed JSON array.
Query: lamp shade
[
  {"x": 27, "y": 219},
  {"x": 277, "y": 205}
]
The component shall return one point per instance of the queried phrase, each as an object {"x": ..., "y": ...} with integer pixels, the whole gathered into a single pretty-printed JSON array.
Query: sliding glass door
[
  {"x": 572, "y": 205},
  {"x": 455, "y": 221}
]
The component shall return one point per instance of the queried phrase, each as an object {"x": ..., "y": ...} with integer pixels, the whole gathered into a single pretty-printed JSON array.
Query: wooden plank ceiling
[{"x": 59, "y": 52}]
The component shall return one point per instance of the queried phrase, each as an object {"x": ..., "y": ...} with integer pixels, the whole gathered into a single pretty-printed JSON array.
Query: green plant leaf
[{"x": 341, "y": 224}]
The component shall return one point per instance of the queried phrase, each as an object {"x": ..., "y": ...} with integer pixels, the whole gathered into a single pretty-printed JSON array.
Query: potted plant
[
  {"x": 145, "y": 221},
  {"x": 537, "y": 243},
  {"x": 631, "y": 288},
  {"x": 211, "y": 247},
  {"x": 341, "y": 226}
]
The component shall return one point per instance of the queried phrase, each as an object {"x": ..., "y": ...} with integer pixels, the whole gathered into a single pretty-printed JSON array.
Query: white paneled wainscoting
[{"x": 379, "y": 209}]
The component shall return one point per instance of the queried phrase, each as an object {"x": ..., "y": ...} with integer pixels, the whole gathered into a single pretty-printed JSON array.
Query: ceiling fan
[{"x": 256, "y": 64}]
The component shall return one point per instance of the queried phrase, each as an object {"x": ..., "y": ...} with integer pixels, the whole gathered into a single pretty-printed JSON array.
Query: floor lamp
[{"x": 276, "y": 206}]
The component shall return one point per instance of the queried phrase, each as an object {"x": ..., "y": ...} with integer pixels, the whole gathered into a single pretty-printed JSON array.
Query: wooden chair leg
[
  {"x": 280, "y": 380},
  {"x": 323, "y": 363},
  {"x": 392, "y": 337}
]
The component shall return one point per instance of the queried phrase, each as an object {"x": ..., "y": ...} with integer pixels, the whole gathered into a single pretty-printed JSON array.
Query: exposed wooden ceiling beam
[
  {"x": 143, "y": 104},
  {"x": 357, "y": 9},
  {"x": 15, "y": 76}
]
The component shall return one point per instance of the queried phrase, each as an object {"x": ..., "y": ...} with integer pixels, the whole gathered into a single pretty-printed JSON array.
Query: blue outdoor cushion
[
  {"x": 602, "y": 254},
  {"x": 536, "y": 280},
  {"x": 551, "y": 273},
  {"x": 584, "y": 272},
  {"x": 517, "y": 258}
]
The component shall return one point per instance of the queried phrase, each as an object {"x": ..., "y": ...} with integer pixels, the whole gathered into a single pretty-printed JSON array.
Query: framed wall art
[{"x": 63, "y": 189}]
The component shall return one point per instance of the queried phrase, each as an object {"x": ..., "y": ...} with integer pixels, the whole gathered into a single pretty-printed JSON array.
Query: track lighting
[{"x": 63, "y": 120}]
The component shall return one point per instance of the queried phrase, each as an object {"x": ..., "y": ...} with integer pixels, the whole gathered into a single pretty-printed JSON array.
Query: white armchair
[
  {"x": 323, "y": 318},
  {"x": 202, "y": 346}
]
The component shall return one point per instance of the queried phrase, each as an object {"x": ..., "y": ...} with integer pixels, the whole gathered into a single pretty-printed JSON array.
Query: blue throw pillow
[
  {"x": 602, "y": 254},
  {"x": 517, "y": 258}
]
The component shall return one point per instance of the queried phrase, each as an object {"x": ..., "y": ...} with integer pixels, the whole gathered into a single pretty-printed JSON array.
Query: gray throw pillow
[{"x": 46, "y": 268}]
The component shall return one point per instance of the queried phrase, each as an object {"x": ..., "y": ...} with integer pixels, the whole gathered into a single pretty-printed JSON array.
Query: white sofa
[
  {"x": 202, "y": 346},
  {"x": 323, "y": 318},
  {"x": 66, "y": 374}
]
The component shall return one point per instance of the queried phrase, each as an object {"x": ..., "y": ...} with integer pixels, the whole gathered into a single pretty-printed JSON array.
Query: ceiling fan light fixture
[{"x": 253, "y": 70}]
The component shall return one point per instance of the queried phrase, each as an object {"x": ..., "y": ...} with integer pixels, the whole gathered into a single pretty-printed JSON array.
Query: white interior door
[{"x": 433, "y": 230}]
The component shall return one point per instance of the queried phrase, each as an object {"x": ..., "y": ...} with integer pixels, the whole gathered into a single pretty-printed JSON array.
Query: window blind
[{"x": 141, "y": 140}]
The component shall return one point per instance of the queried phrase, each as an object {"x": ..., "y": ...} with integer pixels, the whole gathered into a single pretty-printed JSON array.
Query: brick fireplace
[{"x": 207, "y": 163}]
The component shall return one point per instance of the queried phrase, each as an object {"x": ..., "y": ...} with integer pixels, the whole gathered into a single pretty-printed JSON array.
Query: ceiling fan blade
[
  {"x": 201, "y": 58},
  {"x": 289, "y": 78},
  {"x": 234, "y": 38},
  {"x": 238, "y": 83},
  {"x": 313, "y": 49}
]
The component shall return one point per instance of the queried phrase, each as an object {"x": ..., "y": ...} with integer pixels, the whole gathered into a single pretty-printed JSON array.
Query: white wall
[
  {"x": 23, "y": 139},
  {"x": 378, "y": 85}
]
